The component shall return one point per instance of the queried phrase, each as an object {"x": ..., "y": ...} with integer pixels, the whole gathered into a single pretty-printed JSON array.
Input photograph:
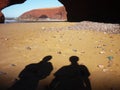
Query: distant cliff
[{"x": 56, "y": 13}]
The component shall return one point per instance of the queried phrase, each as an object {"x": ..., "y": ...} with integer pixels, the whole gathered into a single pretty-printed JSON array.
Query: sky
[{"x": 19, "y": 9}]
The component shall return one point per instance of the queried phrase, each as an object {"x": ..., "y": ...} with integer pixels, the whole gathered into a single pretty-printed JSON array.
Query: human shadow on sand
[
  {"x": 71, "y": 77},
  {"x": 29, "y": 77}
]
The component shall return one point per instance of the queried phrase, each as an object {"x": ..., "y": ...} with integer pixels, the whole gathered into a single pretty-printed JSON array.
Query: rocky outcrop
[
  {"x": 6, "y": 3},
  {"x": 93, "y": 10},
  {"x": 56, "y": 13},
  {"x": 2, "y": 18}
]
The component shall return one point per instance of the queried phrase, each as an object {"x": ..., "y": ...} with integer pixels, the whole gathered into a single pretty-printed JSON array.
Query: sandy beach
[{"x": 25, "y": 43}]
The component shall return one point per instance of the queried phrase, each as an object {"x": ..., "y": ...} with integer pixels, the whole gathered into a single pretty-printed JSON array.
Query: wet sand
[{"x": 25, "y": 43}]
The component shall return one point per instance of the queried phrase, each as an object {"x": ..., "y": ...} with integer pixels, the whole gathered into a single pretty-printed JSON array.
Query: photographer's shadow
[
  {"x": 71, "y": 77},
  {"x": 29, "y": 77}
]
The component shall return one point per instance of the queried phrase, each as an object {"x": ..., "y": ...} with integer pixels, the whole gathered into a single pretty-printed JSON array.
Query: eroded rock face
[
  {"x": 6, "y": 3},
  {"x": 93, "y": 10},
  {"x": 58, "y": 13}
]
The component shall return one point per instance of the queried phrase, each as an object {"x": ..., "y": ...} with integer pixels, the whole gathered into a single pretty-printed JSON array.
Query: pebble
[
  {"x": 100, "y": 66},
  {"x": 13, "y": 65},
  {"x": 101, "y": 52},
  {"x": 74, "y": 50},
  {"x": 43, "y": 28},
  {"x": 110, "y": 58},
  {"x": 28, "y": 48},
  {"x": 105, "y": 70},
  {"x": 83, "y": 52},
  {"x": 6, "y": 39},
  {"x": 59, "y": 52}
]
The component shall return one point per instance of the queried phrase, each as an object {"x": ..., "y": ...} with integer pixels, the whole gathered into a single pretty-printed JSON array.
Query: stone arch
[{"x": 7, "y": 3}]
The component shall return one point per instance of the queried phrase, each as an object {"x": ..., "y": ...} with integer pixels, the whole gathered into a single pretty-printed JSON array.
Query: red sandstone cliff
[{"x": 52, "y": 13}]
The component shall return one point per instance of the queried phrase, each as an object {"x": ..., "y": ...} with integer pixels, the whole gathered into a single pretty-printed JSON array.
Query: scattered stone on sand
[
  {"x": 6, "y": 39},
  {"x": 94, "y": 26},
  {"x": 70, "y": 44},
  {"x": 110, "y": 62},
  {"x": 82, "y": 52},
  {"x": 74, "y": 50},
  {"x": 54, "y": 36},
  {"x": 104, "y": 45},
  {"x": 28, "y": 48},
  {"x": 43, "y": 28},
  {"x": 110, "y": 58},
  {"x": 13, "y": 64},
  {"x": 102, "y": 27},
  {"x": 101, "y": 52},
  {"x": 46, "y": 40},
  {"x": 105, "y": 70},
  {"x": 105, "y": 32},
  {"x": 100, "y": 66},
  {"x": 59, "y": 52},
  {"x": 111, "y": 50}
]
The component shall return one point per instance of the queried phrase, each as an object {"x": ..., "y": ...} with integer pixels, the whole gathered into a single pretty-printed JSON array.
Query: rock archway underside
[{"x": 80, "y": 10}]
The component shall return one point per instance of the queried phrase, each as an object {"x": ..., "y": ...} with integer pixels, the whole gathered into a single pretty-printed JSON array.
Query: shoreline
[{"x": 84, "y": 25}]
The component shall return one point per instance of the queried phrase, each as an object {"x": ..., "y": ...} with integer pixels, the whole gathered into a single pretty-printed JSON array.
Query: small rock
[
  {"x": 28, "y": 48},
  {"x": 43, "y": 28},
  {"x": 46, "y": 40},
  {"x": 59, "y": 52},
  {"x": 111, "y": 50},
  {"x": 105, "y": 32},
  {"x": 70, "y": 44},
  {"x": 110, "y": 58},
  {"x": 6, "y": 39},
  {"x": 105, "y": 70},
  {"x": 54, "y": 36},
  {"x": 74, "y": 50},
  {"x": 83, "y": 52},
  {"x": 104, "y": 45},
  {"x": 101, "y": 52},
  {"x": 111, "y": 36},
  {"x": 13, "y": 65},
  {"x": 110, "y": 63},
  {"x": 100, "y": 66}
]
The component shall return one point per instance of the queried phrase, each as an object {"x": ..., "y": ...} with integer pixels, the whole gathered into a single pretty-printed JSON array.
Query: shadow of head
[
  {"x": 47, "y": 58},
  {"x": 74, "y": 59}
]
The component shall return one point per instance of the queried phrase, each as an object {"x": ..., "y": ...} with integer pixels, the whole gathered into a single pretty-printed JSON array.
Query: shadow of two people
[{"x": 71, "y": 77}]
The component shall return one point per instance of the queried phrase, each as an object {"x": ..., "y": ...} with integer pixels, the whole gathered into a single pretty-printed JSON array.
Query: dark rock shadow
[
  {"x": 29, "y": 77},
  {"x": 71, "y": 77}
]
